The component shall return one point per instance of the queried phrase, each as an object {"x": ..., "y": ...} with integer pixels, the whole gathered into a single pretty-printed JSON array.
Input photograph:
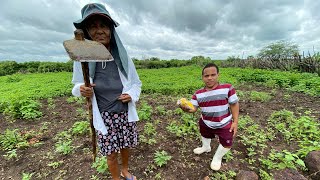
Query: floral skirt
[{"x": 120, "y": 133}]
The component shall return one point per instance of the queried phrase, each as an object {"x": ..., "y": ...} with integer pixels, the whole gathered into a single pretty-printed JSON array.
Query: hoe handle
[{"x": 85, "y": 70}]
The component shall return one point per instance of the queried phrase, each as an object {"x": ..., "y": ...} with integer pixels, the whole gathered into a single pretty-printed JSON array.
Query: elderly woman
[{"x": 114, "y": 90}]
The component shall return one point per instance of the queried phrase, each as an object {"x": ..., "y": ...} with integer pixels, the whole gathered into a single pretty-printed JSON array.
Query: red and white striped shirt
[{"x": 214, "y": 105}]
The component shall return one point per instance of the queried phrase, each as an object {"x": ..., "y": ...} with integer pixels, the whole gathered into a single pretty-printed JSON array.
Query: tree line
[
  {"x": 11, "y": 67},
  {"x": 281, "y": 55}
]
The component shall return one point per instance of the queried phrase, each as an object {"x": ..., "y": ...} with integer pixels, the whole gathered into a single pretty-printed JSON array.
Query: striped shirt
[{"x": 214, "y": 105}]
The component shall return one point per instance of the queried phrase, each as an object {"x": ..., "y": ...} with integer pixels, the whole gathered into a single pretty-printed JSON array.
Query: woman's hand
[
  {"x": 125, "y": 98},
  {"x": 86, "y": 91}
]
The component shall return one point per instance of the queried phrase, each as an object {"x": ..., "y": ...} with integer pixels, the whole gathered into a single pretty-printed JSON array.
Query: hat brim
[{"x": 80, "y": 23}]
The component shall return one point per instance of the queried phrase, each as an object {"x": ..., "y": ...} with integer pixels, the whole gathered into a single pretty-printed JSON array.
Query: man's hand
[
  {"x": 125, "y": 98},
  {"x": 188, "y": 109},
  {"x": 234, "y": 128},
  {"x": 86, "y": 91}
]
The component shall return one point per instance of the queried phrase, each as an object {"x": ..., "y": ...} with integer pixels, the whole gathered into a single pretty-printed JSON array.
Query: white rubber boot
[
  {"x": 217, "y": 158},
  {"x": 205, "y": 146}
]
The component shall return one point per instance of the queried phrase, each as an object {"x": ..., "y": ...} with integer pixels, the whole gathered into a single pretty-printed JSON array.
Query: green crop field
[{"x": 46, "y": 130}]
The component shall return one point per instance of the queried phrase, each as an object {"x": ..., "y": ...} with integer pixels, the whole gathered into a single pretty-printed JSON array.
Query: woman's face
[{"x": 99, "y": 30}]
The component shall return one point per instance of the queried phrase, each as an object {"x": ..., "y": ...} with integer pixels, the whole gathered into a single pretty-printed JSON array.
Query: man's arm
[
  {"x": 235, "y": 111},
  {"x": 235, "y": 116}
]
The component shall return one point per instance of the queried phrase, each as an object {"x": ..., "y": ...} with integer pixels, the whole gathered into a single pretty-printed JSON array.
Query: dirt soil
[{"x": 183, "y": 165}]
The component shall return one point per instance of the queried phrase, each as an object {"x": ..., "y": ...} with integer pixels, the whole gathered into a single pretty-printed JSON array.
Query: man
[{"x": 219, "y": 114}]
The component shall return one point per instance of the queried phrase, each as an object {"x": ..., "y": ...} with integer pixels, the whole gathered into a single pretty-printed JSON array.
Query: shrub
[{"x": 25, "y": 109}]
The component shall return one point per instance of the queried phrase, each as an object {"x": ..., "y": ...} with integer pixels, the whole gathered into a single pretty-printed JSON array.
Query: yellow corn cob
[{"x": 185, "y": 103}]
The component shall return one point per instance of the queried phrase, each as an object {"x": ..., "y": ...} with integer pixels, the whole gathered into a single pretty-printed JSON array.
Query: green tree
[{"x": 279, "y": 50}]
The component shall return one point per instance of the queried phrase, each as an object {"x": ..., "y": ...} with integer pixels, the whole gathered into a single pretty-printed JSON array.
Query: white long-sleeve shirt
[{"x": 131, "y": 86}]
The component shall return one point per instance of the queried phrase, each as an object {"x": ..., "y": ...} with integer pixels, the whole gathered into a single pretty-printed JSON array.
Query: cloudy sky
[{"x": 35, "y": 29}]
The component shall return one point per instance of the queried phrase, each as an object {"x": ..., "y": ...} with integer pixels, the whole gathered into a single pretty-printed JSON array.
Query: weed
[
  {"x": 161, "y": 110},
  {"x": 80, "y": 128},
  {"x": 161, "y": 158},
  {"x": 259, "y": 96},
  {"x": 100, "y": 164},
  {"x": 78, "y": 100},
  {"x": 228, "y": 157},
  {"x": 10, "y": 139},
  {"x": 26, "y": 176},
  {"x": 286, "y": 96},
  {"x": 187, "y": 126},
  {"x": 149, "y": 129},
  {"x": 223, "y": 175},
  {"x": 82, "y": 113},
  {"x": 264, "y": 175},
  {"x": 44, "y": 126},
  {"x": 63, "y": 135},
  {"x": 55, "y": 164},
  {"x": 51, "y": 104},
  {"x": 94, "y": 177},
  {"x": 282, "y": 160},
  {"x": 11, "y": 154},
  {"x": 158, "y": 176},
  {"x": 64, "y": 147},
  {"x": 13, "y": 78},
  {"x": 146, "y": 140},
  {"x": 145, "y": 111},
  {"x": 26, "y": 109}
]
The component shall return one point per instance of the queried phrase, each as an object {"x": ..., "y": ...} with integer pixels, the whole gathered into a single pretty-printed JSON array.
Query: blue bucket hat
[{"x": 90, "y": 10}]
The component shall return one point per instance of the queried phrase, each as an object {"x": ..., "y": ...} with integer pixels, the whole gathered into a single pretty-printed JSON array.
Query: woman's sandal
[{"x": 131, "y": 178}]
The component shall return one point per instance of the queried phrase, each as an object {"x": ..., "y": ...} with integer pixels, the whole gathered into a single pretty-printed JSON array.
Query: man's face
[
  {"x": 99, "y": 30},
  {"x": 210, "y": 77}
]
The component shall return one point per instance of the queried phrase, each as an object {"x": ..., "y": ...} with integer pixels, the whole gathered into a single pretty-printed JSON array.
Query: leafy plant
[
  {"x": 26, "y": 176},
  {"x": 51, "y": 104},
  {"x": 161, "y": 158},
  {"x": 78, "y": 100},
  {"x": 223, "y": 175},
  {"x": 94, "y": 177},
  {"x": 145, "y": 111},
  {"x": 264, "y": 175},
  {"x": 149, "y": 140},
  {"x": 282, "y": 160},
  {"x": 11, "y": 154},
  {"x": 100, "y": 164},
  {"x": 10, "y": 139},
  {"x": 13, "y": 78},
  {"x": 305, "y": 130},
  {"x": 80, "y": 128},
  {"x": 55, "y": 164},
  {"x": 161, "y": 110},
  {"x": 149, "y": 134},
  {"x": 26, "y": 109},
  {"x": 64, "y": 147},
  {"x": 149, "y": 129},
  {"x": 187, "y": 126},
  {"x": 63, "y": 135},
  {"x": 259, "y": 96},
  {"x": 228, "y": 157}
]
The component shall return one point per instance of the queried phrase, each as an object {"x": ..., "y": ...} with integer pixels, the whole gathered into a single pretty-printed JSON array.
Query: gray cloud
[{"x": 35, "y": 30}]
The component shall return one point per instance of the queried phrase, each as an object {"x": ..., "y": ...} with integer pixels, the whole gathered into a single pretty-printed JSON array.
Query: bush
[
  {"x": 25, "y": 109},
  {"x": 8, "y": 67},
  {"x": 11, "y": 67}
]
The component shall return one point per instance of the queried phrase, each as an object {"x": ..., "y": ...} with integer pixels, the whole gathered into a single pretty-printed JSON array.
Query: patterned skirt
[{"x": 120, "y": 133}]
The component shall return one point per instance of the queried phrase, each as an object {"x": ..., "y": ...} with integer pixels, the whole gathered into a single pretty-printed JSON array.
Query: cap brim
[{"x": 80, "y": 23}]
